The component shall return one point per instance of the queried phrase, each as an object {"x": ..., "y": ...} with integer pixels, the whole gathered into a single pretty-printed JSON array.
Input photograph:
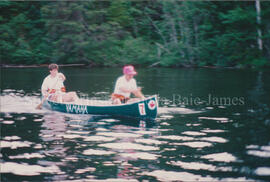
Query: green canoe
[{"x": 145, "y": 109}]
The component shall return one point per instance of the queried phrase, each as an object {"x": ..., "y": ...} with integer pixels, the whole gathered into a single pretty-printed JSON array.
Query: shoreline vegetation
[
  {"x": 101, "y": 66},
  {"x": 38, "y": 66},
  {"x": 188, "y": 34}
]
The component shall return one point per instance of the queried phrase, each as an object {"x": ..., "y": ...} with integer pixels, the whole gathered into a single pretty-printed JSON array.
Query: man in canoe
[
  {"x": 125, "y": 85},
  {"x": 53, "y": 87}
]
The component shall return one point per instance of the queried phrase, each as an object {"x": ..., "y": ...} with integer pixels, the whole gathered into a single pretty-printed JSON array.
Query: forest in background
[{"x": 145, "y": 33}]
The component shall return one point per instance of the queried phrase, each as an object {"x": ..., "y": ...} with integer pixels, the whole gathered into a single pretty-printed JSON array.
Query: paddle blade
[{"x": 39, "y": 107}]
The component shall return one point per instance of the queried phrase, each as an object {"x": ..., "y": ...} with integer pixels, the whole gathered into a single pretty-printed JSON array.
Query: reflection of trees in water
[
  {"x": 54, "y": 127},
  {"x": 65, "y": 153},
  {"x": 125, "y": 169},
  {"x": 52, "y": 130},
  {"x": 258, "y": 90},
  {"x": 258, "y": 97}
]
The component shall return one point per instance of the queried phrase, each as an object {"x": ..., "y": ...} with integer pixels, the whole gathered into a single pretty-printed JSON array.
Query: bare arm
[
  {"x": 123, "y": 89},
  {"x": 45, "y": 93},
  {"x": 61, "y": 76},
  {"x": 44, "y": 88}
]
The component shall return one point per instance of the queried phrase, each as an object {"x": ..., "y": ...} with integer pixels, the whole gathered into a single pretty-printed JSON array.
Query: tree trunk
[
  {"x": 196, "y": 37},
  {"x": 173, "y": 29},
  {"x": 158, "y": 30},
  {"x": 259, "y": 31}
]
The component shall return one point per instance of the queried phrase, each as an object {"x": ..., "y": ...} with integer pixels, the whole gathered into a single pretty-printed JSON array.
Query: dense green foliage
[{"x": 164, "y": 33}]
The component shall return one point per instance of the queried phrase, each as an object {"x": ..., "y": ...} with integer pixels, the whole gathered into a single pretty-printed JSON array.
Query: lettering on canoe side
[
  {"x": 78, "y": 109},
  {"x": 141, "y": 108}
]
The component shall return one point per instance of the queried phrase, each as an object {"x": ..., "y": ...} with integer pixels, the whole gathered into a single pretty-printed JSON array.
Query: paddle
[
  {"x": 45, "y": 98},
  {"x": 42, "y": 102}
]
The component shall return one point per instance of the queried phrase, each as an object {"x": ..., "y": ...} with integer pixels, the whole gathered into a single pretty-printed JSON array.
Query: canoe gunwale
[{"x": 113, "y": 105}]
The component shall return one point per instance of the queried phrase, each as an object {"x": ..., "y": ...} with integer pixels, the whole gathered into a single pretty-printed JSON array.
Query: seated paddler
[
  {"x": 125, "y": 86},
  {"x": 53, "y": 87}
]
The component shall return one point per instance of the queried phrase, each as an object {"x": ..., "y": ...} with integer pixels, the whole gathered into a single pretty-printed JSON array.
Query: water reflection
[
  {"x": 122, "y": 142},
  {"x": 53, "y": 126}
]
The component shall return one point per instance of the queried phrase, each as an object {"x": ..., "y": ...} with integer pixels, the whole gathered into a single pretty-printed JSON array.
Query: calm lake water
[{"x": 213, "y": 125}]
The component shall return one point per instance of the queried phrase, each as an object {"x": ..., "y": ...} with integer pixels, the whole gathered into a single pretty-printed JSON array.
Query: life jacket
[
  {"x": 52, "y": 91},
  {"x": 122, "y": 98}
]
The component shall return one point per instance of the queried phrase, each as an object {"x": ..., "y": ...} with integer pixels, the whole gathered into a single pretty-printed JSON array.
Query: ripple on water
[
  {"x": 81, "y": 171},
  {"x": 71, "y": 158},
  {"x": 101, "y": 129},
  {"x": 222, "y": 107},
  {"x": 99, "y": 138},
  {"x": 263, "y": 171},
  {"x": 198, "y": 145},
  {"x": 169, "y": 149},
  {"x": 75, "y": 126},
  {"x": 165, "y": 124},
  {"x": 9, "y": 90},
  {"x": 149, "y": 141},
  {"x": 215, "y": 118},
  {"x": 214, "y": 139},
  {"x": 195, "y": 124},
  {"x": 119, "y": 135},
  {"x": 127, "y": 146},
  {"x": 109, "y": 120},
  {"x": 166, "y": 116},
  {"x": 26, "y": 169},
  {"x": 38, "y": 146},
  {"x": 8, "y": 122},
  {"x": 111, "y": 180},
  {"x": 259, "y": 153},
  {"x": 163, "y": 175},
  {"x": 176, "y": 110},
  {"x": 193, "y": 133},
  {"x": 220, "y": 157},
  {"x": 14, "y": 144},
  {"x": 108, "y": 163},
  {"x": 143, "y": 132},
  {"x": 265, "y": 148},
  {"x": 176, "y": 137},
  {"x": 252, "y": 147},
  {"x": 199, "y": 166},
  {"x": 27, "y": 156},
  {"x": 97, "y": 152},
  {"x": 70, "y": 136},
  {"x": 21, "y": 118},
  {"x": 207, "y": 130},
  {"x": 11, "y": 138},
  {"x": 140, "y": 155},
  {"x": 78, "y": 132},
  {"x": 38, "y": 120}
]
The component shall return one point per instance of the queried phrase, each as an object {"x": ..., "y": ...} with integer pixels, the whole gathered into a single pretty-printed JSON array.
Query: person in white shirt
[
  {"x": 125, "y": 86},
  {"x": 53, "y": 87}
]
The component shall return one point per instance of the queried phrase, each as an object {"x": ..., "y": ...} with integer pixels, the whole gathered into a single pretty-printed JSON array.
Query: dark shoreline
[
  {"x": 92, "y": 66},
  {"x": 38, "y": 66}
]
